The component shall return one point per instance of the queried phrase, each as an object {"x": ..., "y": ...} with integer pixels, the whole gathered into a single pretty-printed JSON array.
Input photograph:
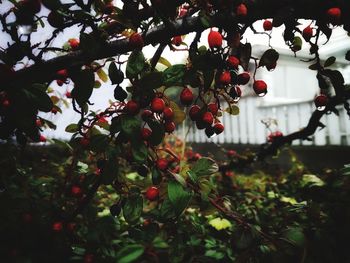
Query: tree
[{"x": 131, "y": 131}]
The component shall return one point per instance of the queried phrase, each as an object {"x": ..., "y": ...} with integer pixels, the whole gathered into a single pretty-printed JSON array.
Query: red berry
[
  {"x": 132, "y": 107},
  {"x": 57, "y": 226},
  {"x": 186, "y": 96},
  {"x": 89, "y": 258},
  {"x": 213, "y": 108},
  {"x": 231, "y": 153},
  {"x": 146, "y": 133},
  {"x": 195, "y": 109},
  {"x": 321, "y": 101},
  {"x": 274, "y": 135},
  {"x": 229, "y": 173},
  {"x": 177, "y": 41},
  {"x": 225, "y": 78},
  {"x": 62, "y": 74},
  {"x": 267, "y": 25},
  {"x": 260, "y": 87},
  {"x": 183, "y": 12},
  {"x": 243, "y": 78},
  {"x": 218, "y": 128},
  {"x": 169, "y": 126},
  {"x": 157, "y": 105},
  {"x": 68, "y": 94},
  {"x": 136, "y": 41},
  {"x": 308, "y": 33},
  {"x": 38, "y": 123},
  {"x": 208, "y": 118},
  {"x": 242, "y": 10},
  {"x": 334, "y": 15},
  {"x": 54, "y": 110},
  {"x": 146, "y": 114},
  {"x": 168, "y": 113},
  {"x": 84, "y": 141},
  {"x": 74, "y": 43},
  {"x": 152, "y": 193},
  {"x": 162, "y": 164},
  {"x": 6, "y": 103},
  {"x": 42, "y": 138},
  {"x": 76, "y": 190},
  {"x": 214, "y": 39},
  {"x": 233, "y": 62}
]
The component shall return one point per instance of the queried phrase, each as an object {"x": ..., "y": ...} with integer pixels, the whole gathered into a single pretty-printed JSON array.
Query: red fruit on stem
[
  {"x": 136, "y": 41},
  {"x": 242, "y": 10},
  {"x": 208, "y": 118},
  {"x": 267, "y": 25},
  {"x": 214, "y": 39},
  {"x": 42, "y": 138},
  {"x": 321, "y": 102},
  {"x": 193, "y": 113},
  {"x": 73, "y": 43},
  {"x": 89, "y": 258},
  {"x": 218, "y": 128},
  {"x": 229, "y": 173},
  {"x": 169, "y": 126},
  {"x": 62, "y": 74},
  {"x": 186, "y": 96},
  {"x": 145, "y": 133},
  {"x": 54, "y": 110},
  {"x": 76, "y": 190},
  {"x": 162, "y": 164},
  {"x": 146, "y": 114},
  {"x": 152, "y": 193},
  {"x": 6, "y": 103},
  {"x": 231, "y": 153},
  {"x": 308, "y": 33},
  {"x": 132, "y": 107},
  {"x": 68, "y": 94},
  {"x": 213, "y": 108},
  {"x": 38, "y": 123},
  {"x": 177, "y": 41},
  {"x": 243, "y": 78},
  {"x": 225, "y": 78},
  {"x": 260, "y": 87},
  {"x": 157, "y": 105},
  {"x": 334, "y": 15},
  {"x": 233, "y": 62},
  {"x": 57, "y": 226},
  {"x": 168, "y": 113}
]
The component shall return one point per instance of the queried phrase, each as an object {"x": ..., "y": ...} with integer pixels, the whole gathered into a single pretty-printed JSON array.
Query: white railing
[{"x": 247, "y": 128}]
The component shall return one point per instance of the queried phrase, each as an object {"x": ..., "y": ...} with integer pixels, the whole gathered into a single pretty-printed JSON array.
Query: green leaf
[
  {"x": 205, "y": 20},
  {"x": 39, "y": 98},
  {"x": 135, "y": 65},
  {"x": 132, "y": 208},
  {"x": 296, "y": 236},
  {"x": 102, "y": 75},
  {"x": 152, "y": 80},
  {"x": 115, "y": 125},
  {"x": 84, "y": 83},
  {"x": 164, "y": 61},
  {"x": 156, "y": 176},
  {"x": 233, "y": 110},
  {"x": 178, "y": 196},
  {"x": 99, "y": 142},
  {"x": 311, "y": 180},
  {"x": 297, "y": 43},
  {"x": 130, "y": 253},
  {"x": 113, "y": 73},
  {"x": 72, "y": 128},
  {"x": 205, "y": 166},
  {"x": 139, "y": 151},
  {"x": 130, "y": 125},
  {"x": 330, "y": 61},
  {"x": 158, "y": 132},
  {"x": 269, "y": 58},
  {"x": 173, "y": 75}
]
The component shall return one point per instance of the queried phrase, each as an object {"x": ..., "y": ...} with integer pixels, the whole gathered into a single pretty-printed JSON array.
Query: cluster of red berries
[
  {"x": 274, "y": 135},
  {"x": 61, "y": 77}
]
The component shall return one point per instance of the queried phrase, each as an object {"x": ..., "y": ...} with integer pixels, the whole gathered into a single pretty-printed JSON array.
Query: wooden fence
[{"x": 247, "y": 127}]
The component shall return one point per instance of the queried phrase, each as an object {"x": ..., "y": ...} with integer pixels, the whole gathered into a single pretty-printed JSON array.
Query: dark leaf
[
  {"x": 136, "y": 64},
  {"x": 132, "y": 208},
  {"x": 173, "y": 76},
  {"x": 130, "y": 253}
]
